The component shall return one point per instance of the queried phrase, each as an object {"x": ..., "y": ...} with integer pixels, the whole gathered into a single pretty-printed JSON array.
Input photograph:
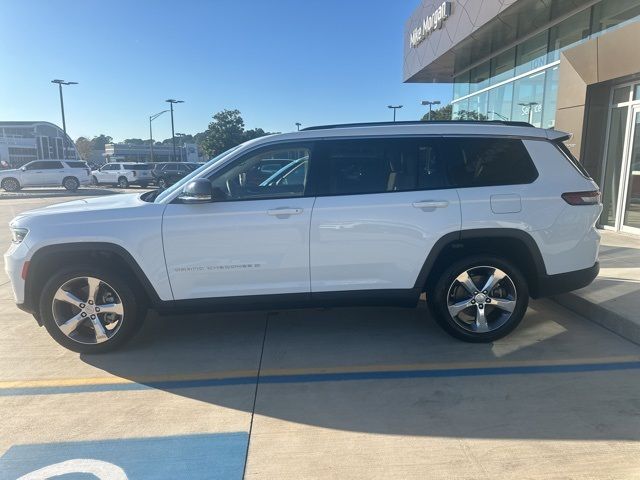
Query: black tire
[
  {"x": 123, "y": 182},
  {"x": 447, "y": 287},
  {"x": 10, "y": 184},
  {"x": 71, "y": 183},
  {"x": 162, "y": 183},
  {"x": 133, "y": 307}
]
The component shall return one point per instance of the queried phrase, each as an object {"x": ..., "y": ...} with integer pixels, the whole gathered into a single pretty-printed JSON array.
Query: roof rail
[{"x": 420, "y": 122}]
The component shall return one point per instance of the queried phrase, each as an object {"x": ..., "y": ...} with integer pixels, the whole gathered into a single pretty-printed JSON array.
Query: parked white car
[
  {"x": 123, "y": 174},
  {"x": 69, "y": 174},
  {"x": 480, "y": 216}
]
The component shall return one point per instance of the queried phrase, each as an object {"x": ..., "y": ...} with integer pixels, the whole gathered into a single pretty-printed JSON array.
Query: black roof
[{"x": 421, "y": 122}]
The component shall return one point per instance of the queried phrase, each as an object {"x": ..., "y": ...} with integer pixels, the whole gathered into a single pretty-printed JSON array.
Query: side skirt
[{"x": 357, "y": 298}]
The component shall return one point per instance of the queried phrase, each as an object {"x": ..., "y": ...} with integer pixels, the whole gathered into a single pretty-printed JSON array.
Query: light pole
[
  {"x": 181, "y": 136},
  {"x": 60, "y": 83},
  {"x": 431, "y": 103},
  {"x": 151, "y": 119},
  {"x": 298, "y": 124},
  {"x": 173, "y": 136},
  {"x": 530, "y": 106},
  {"x": 394, "y": 107}
]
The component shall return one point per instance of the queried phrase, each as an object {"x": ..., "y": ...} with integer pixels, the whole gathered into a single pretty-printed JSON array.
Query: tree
[
  {"x": 254, "y": 133},
  {"x": 83, "y": 145},
  {"x": 471, "y": 115},
  {"x": 442, "y": 113},
  {"x": 226, "y": 131},
  {"x": 134, "y": 141},
  {"x": 98, "y": 143}
]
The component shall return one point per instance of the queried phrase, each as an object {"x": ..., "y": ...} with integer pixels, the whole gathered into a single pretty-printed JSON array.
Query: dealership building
[{"x": 572, "y": 65}]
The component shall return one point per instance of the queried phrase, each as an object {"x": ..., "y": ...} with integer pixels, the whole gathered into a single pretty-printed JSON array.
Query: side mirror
[{"x": 197, "y": 191}]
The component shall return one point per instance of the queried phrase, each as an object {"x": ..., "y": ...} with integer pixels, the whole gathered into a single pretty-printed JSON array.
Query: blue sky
[{"x": 278, "y": 62}]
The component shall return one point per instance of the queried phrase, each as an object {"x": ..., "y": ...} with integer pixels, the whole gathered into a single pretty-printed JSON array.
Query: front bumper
[
  {"x": 14, "y": 260},
  {"x": 549, "y": 285}
]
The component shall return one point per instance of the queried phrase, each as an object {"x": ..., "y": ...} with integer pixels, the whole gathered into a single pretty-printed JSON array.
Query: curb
[{"x": 614, "y": 322}]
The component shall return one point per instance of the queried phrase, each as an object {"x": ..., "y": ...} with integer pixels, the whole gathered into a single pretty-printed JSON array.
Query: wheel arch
[
  {"x": 47, "y": 259},
  {"x": 514, "y": 245}
]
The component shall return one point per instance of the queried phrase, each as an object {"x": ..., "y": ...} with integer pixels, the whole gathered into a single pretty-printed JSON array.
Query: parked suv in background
[
  {"x": 69, "y": 174},
  {"x": 167, "y": 173},
  {"x": 480, "y": 216},
  {"x": 123, "y": 174}
]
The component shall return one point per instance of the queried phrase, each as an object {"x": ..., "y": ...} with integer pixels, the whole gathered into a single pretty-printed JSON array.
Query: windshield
[{"x": 178, "y": 186}]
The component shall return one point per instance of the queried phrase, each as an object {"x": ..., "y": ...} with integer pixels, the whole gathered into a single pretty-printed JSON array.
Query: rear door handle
[
  {"x": 284, "y": 211},
  {"x": 431, "y": 204}
]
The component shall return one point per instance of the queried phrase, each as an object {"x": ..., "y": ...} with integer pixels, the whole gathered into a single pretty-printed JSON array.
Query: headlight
[{"x": 18, "y": 234}]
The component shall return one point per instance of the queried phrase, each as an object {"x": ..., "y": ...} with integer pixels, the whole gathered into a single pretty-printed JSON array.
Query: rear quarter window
[
  {"x": 77, "y": 164},
  {"x": 482, "y": 162}
]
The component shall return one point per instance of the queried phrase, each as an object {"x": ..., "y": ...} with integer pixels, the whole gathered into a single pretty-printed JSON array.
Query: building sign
[{"x": 430, "y": 24}]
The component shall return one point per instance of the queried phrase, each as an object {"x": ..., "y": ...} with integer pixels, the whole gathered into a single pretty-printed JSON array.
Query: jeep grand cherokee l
[{"x": 480, "y": 216}]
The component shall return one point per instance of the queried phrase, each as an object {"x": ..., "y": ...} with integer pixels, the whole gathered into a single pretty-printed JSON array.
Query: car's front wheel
[
  {"x": 90, "y": 309},
  {"x": 480, "y": 298},
  {"x": 10, "y": 185}
]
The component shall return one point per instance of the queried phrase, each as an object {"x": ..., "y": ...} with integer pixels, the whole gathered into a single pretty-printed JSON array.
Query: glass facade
[{"x": 521, "y": 82}]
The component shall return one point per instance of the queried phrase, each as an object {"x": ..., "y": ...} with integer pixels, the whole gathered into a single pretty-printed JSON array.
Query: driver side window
[{"x": 273, "y": 172}]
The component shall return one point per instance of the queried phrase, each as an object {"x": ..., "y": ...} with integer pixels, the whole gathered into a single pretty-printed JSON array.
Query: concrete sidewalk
[{"x": 613, "y": 299}]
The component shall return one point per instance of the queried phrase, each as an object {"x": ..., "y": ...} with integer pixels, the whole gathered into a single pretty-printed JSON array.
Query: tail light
[
  {"x": 134, "y": 173},
  {"x": 582, "y": 198}
]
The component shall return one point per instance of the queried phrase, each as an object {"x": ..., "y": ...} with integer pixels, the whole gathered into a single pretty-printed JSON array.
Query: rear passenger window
[
  {"x": 77, "y": 164},
  {"x": 382, "y": 165},
  {"x": 481, "y": 162}
]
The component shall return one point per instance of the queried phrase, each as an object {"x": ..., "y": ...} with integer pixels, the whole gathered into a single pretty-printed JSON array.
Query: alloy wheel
[
  {"x": 481, "y": 299},
  {"x": 11, "y": 185},
  {"x": 87, "y": 310}
]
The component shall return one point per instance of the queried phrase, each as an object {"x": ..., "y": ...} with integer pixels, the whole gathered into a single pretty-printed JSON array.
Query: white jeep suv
[
  {"x": 69, "y": 174},
  {"x": 480, "y": 216}
]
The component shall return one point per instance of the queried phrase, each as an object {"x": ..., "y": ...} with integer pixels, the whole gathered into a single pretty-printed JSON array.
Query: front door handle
[
  {"x": 431, "y": 204},
  {"x": 285, "y": 211}
]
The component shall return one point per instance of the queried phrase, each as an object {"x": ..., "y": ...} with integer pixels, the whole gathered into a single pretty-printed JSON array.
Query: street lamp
[
  {"x": 151, "y": 119},
  {"x": 181, "y": 136},
  {"x": 173, "y": 136},
  {"x": 431, "y": 103},
  {"x": 530, "y": 106},
  {"x": 298, "y": 124},
  {"x": 394, "y": 107},
  {"x": 60, "y": 83}
]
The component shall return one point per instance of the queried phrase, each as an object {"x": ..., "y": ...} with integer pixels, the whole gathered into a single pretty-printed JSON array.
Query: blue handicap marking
[{"x": 209, "y": 456}]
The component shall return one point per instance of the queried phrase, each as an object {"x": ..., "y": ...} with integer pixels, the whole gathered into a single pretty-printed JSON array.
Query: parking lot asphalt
[{"x": 319, "y": 393}]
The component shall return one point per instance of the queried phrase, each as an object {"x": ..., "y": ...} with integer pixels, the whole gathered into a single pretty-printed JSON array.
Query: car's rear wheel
[
  {"x": 162, "y": 183},
  {"x": 480, "y": 298},
  {"x": 123, "y": 182},
  {"x": 71, "y": 183},
  {"x": 10, "y": 185},
  {"x": 90, "y": 309}
]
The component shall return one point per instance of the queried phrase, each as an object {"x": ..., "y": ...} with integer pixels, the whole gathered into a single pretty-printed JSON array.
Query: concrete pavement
[
  {"x": 613, "y": 299},
  {"x": 322, "y": 393}
]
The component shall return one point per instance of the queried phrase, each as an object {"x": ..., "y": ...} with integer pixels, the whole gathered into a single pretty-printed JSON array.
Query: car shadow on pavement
[{"x": 475, "y": 395}]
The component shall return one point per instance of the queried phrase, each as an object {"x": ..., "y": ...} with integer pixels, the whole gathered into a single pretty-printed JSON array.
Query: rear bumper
[{"x": 549, "y": 285}]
